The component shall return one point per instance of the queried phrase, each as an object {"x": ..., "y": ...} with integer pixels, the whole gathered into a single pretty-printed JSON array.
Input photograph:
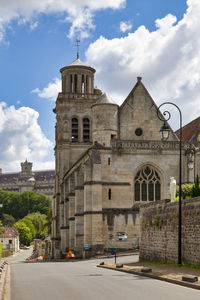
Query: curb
[
  {"x": 178, "y": 282},
  {"x": 5, "y": 283}
]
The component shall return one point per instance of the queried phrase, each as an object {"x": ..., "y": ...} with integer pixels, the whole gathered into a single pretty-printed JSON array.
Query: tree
[
  {"x": 39, "y": 220},
  {"x": 31, "y": 226},
  {"x": 25, "y": 236},
  {"x": 20, "y": 205},
  {"x": 196, "y": 188},
  {"x": 1, "y": 228},
  {"x": 8, "y": 220}
]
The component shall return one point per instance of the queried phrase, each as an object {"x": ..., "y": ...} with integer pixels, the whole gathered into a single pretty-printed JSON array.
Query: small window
[
  {"x": 74, "y": 130},
  {"x": 109, "y": 194},
  {"x": 10, "y": 241},
  {"x": 109, "y": 161},
  {"x": 86, "y": 130}
]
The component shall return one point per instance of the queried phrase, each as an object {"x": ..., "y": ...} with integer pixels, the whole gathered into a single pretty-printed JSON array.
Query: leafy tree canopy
[
  {"x": 25, "y": 236},
  {"x": 8, "y": 220},
  {"x": 20, "y": 205},
  {"x": 39, "y": 221}
]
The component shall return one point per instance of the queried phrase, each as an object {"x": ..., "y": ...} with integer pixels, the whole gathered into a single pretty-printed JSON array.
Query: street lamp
[{"x": 164, "y": 131}]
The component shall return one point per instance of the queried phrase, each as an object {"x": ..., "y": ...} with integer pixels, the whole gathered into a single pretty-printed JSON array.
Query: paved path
[{"x": 84, "y": 281}]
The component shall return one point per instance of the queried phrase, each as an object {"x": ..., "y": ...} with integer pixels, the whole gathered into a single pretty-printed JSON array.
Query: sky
[{"x": 122, "y": 39}]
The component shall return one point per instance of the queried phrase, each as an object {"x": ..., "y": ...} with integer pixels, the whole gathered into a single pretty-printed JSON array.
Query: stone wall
[{"x": 159, "y": 231}]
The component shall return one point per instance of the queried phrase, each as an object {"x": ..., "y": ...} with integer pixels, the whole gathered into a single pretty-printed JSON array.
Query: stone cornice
[
  {"x": 130, "y": 145},
  {"x": 106, "y": 183}
]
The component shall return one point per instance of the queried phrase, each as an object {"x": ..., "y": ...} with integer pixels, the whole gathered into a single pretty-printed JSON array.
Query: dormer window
[
  {"x": 74, "y": 130},
  {"x": 86, "y": 130}
]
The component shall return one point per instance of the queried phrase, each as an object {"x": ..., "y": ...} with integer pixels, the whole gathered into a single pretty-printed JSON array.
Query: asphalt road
[{"x": 82, "y": 280}]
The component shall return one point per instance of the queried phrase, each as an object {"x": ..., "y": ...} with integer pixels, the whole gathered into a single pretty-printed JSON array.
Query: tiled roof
[
  {"x": 9, "y": 232},
  {"x": 189, "y": 130},
  {"x": 11, "y": 178},
  {"x": 44, "y": 175}
]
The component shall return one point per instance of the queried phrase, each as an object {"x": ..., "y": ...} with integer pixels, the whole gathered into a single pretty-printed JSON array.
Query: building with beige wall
[
  {"x": 40, "y": 182},
  {"x": 109, "y": 160}
]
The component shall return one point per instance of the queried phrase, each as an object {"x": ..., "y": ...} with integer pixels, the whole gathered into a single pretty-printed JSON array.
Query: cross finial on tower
[{"x": 77, "y": 45}]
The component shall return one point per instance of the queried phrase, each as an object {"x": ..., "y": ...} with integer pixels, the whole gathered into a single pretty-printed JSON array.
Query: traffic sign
[
  {"x": 70, "y": 254},
  {"x": 112, "y": 249}
]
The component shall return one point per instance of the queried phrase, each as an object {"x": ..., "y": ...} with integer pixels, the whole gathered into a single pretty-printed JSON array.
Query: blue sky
[{"x": 155, "y": 39}]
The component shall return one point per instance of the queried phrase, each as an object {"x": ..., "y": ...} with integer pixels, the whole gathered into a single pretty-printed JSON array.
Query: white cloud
[
  {"x": 167, "y": 58},
  {"x": 21, "y": 137},
  {"x": 51, "y": 91},
  {"x": 78, "y": 12},
  {"x": 125, "y": 26},
  {"x": 34, "y": 25}
]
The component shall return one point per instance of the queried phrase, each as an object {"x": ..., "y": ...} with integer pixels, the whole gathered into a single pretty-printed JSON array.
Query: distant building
[
  {"x": 28, "y": 180},
  {"x": 10, "y": 239}
]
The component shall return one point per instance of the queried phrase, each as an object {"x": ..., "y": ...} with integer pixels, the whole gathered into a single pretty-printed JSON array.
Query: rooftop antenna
[{"x": 77, "y": 45}]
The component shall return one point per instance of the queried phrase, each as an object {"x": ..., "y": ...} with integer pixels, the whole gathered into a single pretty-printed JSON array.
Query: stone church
[{"x": 109, "y": 160}]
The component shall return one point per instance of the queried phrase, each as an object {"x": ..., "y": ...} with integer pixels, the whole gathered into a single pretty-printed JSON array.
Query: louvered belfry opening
[
  {"x": 86, "y": 130},
  {"x": 74, "y": 130}
]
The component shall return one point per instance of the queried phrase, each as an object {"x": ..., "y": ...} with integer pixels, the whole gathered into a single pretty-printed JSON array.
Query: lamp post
[{"x": 164, "y": 132}]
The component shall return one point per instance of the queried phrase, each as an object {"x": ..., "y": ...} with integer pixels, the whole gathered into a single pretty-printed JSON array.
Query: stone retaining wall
[{"x": 159, "y": 231}]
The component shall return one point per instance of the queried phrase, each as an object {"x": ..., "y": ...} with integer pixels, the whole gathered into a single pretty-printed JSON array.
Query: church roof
[
  {"x": 190, "y": 130},
  {"x": 77, "y": 62},
  {"x": 105, "y": 99}
]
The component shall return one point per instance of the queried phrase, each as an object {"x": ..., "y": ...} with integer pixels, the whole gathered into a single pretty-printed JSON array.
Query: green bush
[
  {"x": 186, "y": 191},
  {"x": 196, "y": 188},
  {"x": 6, "y": 253}
]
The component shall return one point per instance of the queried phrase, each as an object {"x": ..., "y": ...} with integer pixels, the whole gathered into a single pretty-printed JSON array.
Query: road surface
[{"x": 82, "y": 280}]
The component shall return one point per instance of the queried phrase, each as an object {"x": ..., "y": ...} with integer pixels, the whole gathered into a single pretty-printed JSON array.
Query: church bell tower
[{"x": 73, "y": 130}]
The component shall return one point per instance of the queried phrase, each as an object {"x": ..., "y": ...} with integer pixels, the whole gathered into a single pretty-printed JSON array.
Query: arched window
[
  {"x": 86, "y": 130},
  {"x": 74, "y": 130},
  {"x": 147, "y": 185}
]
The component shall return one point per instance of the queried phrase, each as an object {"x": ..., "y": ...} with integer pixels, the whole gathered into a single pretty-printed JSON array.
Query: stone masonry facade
[
  {"x": 109, "y": 160},
  {"x": 159, "y": 231}
]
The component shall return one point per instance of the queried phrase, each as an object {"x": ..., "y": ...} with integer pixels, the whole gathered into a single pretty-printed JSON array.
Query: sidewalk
[{"x": 166, "y": 273}]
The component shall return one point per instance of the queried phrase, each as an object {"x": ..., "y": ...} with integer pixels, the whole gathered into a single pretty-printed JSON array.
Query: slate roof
[
  {"x": 105, "y": 99},
  {"x": 11, "y": 178},
  {"x": 77, "y": 62},
  {"x": 190, "y": 130},
  {"x": 10, "y": 232}
]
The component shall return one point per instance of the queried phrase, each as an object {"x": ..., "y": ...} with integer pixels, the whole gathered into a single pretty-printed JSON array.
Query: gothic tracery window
[
  {"x": 86, "y": 130},
  {"x": 74, "y": 130},
  {"x": 147, "y": 185}
]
